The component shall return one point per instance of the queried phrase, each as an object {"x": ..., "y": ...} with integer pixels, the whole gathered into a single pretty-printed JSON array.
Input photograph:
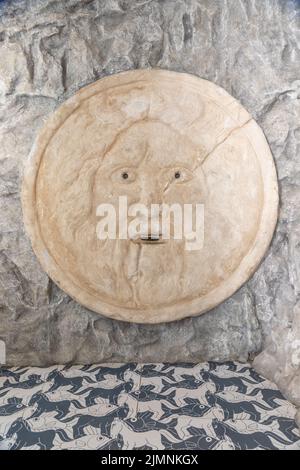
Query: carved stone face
[
  {"x": 155, "y": 137},
  {"x": 166, "y": 169}
]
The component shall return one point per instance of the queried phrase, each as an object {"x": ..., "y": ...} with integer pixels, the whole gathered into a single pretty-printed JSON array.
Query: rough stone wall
[{"x": 48, "y": 50}]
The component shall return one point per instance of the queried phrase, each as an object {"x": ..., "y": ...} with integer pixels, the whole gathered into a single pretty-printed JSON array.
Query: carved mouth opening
[
  {"x": 150, "y": 238},
  {"x": 153, "y": 239}
]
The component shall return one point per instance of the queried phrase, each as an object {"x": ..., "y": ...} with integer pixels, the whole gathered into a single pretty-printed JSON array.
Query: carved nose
[{"x": 150, "y": 192}]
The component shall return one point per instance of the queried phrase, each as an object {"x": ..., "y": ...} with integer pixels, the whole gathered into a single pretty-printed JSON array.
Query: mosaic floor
[{"x": 144, "y": 406}]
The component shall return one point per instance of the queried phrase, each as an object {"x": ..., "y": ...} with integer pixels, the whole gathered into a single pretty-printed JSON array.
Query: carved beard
[{"x": 129, "y": 272}]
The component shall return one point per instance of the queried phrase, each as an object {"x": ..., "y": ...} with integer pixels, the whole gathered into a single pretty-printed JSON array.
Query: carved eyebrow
[
  {"x": 124, "y": 166},
  {"x": 179, "y": 166}
]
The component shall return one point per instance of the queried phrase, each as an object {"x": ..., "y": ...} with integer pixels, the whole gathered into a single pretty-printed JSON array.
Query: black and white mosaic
[{"x": 207, "y": 406}]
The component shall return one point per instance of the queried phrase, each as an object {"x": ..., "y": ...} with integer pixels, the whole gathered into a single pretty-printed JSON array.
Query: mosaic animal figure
[
  {"x": 7, "y": 444},
  {"x": 145, "y": 421},
  {"x": 154, "y": 367},
  {"x": 31, "y": 382},
  {"x": 279, "y": 410},
  {"x": 134, "y": 440},
  {"x": 11, "y": 374},
  {"x": 106, "y": 382},
  {"x": 6, "y": 420},
  {"x": 76, "y": 371},
  {"x": 152, "y": 406},
  {"x": 42, "y": 372},
  {"x": 189, "y": 382},
  {"x": 181, "y": 394},
  {"x": 101, "y": 423},
  {"x": 12, "y": 406},
  {"x": 134, "y": 377},
  {"x": 232, "y": 396},
  {"x": 25, "y": 437},
  {"x": 183, "y": 369},
  {"x": 198, "y": 440},
  {"x": 286, "y": 426},
  {"x": 23, "y": 394},
  {"x": 46, "y": 420},
  {"x": 184, "y": 365},
  {"x": 193, "y": 407},
  {"x": 111, "y": 395},
  {"x": 151, "y": 370},
  {"x": 87, "y": 442},
  {"x": 268, "y": 396},
  {"x": 112, "y": 444},
  {"x": 185, "y": 422},
  {"x": 228, "y": 365},
  {"x": 59, "y": 380},
  {"x": 247, "y": 426},
  {"x": 224, "y": 444},
  {"x": 146, "y": 393},
  {"x": 223, "y": 373},
  {"x": 157, "y": 383},
  {"x": 247, "y": 441},
  {"x": 102, "y": 371},
  {"x": 252, "y": 373},
  {"x": 222, "y": 383},
  {"x": 222, "y": 368},
  {"x": 44, "y": 405},
  {"x": 231, "y": 409}
]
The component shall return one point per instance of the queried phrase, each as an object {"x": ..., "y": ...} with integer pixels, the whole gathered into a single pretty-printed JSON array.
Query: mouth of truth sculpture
[{"x": 150, "y": 138}]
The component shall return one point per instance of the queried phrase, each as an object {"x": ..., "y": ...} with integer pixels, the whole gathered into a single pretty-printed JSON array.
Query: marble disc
[{"x": 152, "y": 125}]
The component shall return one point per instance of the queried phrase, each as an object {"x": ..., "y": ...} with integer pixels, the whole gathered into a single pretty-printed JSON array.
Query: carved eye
[
  {"x": 124, "y": 175},
  {"x": 208, "y": 439},
  {"x": 181, "y": 175}
]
